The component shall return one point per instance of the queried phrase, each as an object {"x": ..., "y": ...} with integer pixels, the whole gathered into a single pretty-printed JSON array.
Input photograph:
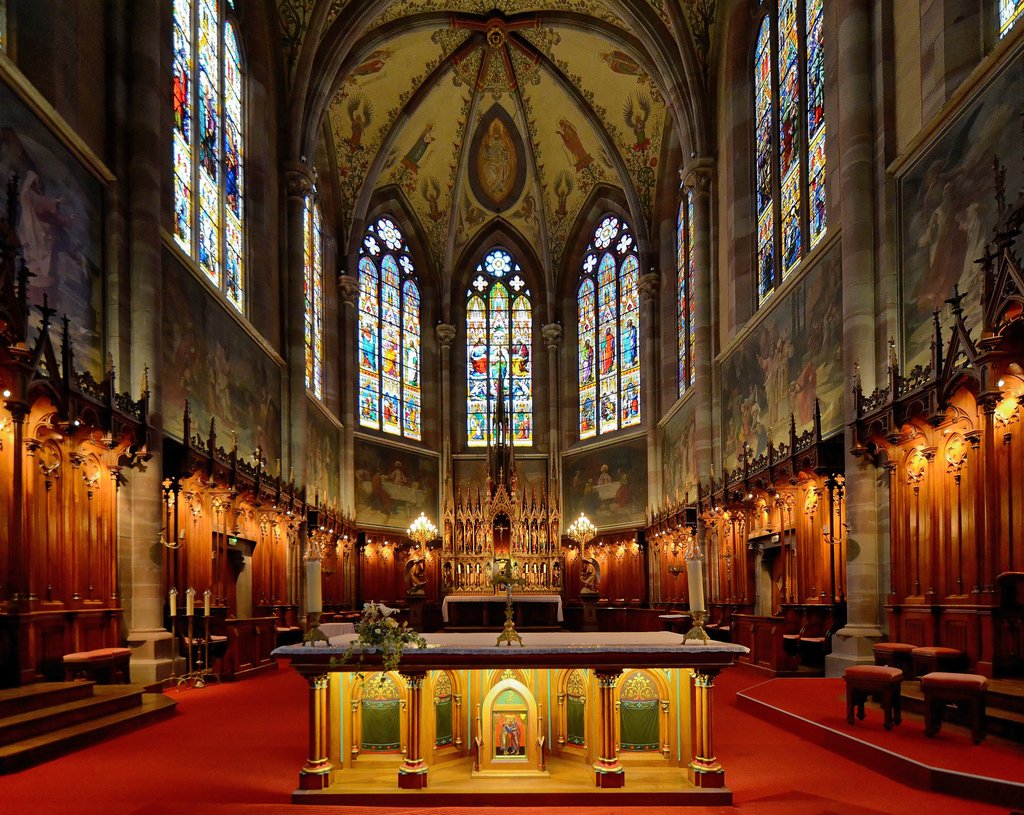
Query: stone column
[
  {"x": 608, "y": 772},
  {"x": 140, "y": 510},
  {"x": 854, "y": 147},
  {"x": 412, "y": 775},
  {"x": 552, "y": 334},
  {"x": 299, "y": 179},
  {"x": 650, "y": 285},
  {"x": 348, "y": 288},
  {"x": 705, "y": 770},
  {"x": 445, "y": 333},
  {"x": 317, "y": 772}
]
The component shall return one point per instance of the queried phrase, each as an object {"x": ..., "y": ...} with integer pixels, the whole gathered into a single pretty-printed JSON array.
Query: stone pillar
[
  {"x": 608, "y": 772},
  {"x": 348, "y": 288},
  {"x": 705, "y": 770},
  {"x": 650, "y": 284},
  {"x": 299, "y": 178},
  {"x": 445, "y": 333},
  {"x": 855, "y": 150},
  {"x": 317, "y": 772},
  {"x": 140, "y": 509},
  {"x": 412, "y": 775},
  {"x": 552, "y": 334}
]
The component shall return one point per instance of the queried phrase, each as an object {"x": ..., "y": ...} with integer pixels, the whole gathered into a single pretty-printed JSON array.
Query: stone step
[{"x": 14, "y": 701}]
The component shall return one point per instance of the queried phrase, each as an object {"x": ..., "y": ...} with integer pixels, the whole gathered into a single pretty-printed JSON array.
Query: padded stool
[
  {"x": 103, "y": 665},
  {"x": 881, "y": 681},
  {"x": 941, "y": 689},
  {"x": 929, "y": 659},
  {"x": 895, "y": 655}
]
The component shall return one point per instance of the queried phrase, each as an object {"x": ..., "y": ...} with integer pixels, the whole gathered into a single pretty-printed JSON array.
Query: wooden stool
[
  {"x": 929, "y": 659},
  {"x": 882, "y": 682},
  {"x": 941, "y": 689},
  {"x": 895, "y": 655},
  {"x": 104, "y": 665}
]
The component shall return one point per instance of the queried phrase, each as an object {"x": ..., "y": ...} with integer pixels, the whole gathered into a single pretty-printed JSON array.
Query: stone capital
[
  {"x": 445, "y": 334},
  {"x": 697, "y": 174},
  {"x": 299, "y": 179},
  {"x": 349, "y": 288},
  {"x": 649, "y": 285},
  {"x": 552, "y": 334}
]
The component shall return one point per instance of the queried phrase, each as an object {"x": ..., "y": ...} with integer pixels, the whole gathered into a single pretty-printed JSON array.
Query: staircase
[{"x": 42, "y": 721}]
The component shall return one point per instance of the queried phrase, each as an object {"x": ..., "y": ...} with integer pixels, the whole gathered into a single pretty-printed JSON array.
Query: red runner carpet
[{"x": 236, "y": 749}]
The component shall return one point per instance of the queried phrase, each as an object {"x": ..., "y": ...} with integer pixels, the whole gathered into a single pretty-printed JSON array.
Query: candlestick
[
  {"x": 190, "y": 602},
  {"x": 173, "y": 599},
  {"x": 206, "y": 602}
]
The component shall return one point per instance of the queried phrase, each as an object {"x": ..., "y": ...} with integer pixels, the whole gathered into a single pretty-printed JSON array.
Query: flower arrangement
[{"x": 379, "y": 630}]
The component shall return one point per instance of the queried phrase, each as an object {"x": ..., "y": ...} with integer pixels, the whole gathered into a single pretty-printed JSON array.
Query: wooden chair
[{"x": 881, "y": 681}]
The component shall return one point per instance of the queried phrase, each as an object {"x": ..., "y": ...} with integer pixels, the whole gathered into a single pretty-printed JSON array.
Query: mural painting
[
  {"x": 947, "y": 208},
  {"x": 393, "y": 485},
  {"x": 792, "y": 356},
  {"x": 608, "y": 484},
  {"x": 679, "y": 456},
  {"x": 60, "y": 217},
  {"x": 213, "y": 362},
  {"x": 499, "y": 161},
  {"x": 323, "y": 445}
]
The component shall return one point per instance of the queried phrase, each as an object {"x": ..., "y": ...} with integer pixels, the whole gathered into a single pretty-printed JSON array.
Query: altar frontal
[{"x": 568, "y": 718}]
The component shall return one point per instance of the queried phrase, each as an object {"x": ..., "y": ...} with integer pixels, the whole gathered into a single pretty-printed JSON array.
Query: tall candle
[
  {"x": 173, "y": 596},
  {"x": 190, "y": 602},
  {"x": 314, "y": 597},
  {"x": 206, "y": 602},
  {"x": 695, "y": 583}
]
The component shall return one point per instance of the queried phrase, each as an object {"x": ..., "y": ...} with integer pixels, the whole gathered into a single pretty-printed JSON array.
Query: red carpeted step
[{"x": 14, "y": 701}]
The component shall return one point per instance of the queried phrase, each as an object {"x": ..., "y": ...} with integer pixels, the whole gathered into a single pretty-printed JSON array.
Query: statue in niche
[
  {"x": 415, "y": 574},
  {"x": 590, "y": 575}
]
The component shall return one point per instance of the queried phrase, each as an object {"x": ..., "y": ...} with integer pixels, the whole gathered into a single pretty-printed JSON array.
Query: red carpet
[{"x": 236, "y": 750}]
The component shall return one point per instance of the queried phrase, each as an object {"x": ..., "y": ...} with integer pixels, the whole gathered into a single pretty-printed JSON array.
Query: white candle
[
  {"x": 695, "y": 583},
  {"x": 314, "y": 597},
  {"x": 190, "y": 602},
  {"x": 173, "y": 595},
  {"x": 206, "y": 602}
]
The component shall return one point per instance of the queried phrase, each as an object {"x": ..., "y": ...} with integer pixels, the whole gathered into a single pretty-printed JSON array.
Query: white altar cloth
[{"x": 500, "y": 598}]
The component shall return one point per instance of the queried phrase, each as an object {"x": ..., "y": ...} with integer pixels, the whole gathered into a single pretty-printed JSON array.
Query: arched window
[
  {"x": 499, "y": 346},
  {"x": 686, "y": 268},
  {"x": 789, "y": 122},
  {"x": 608, "y": 301},
  {"x": 313, "y": 264},
  {"x": 389, "y": 333},
  {"x": 1010, "y": 11},
  {"x": 208, "y": 143}
]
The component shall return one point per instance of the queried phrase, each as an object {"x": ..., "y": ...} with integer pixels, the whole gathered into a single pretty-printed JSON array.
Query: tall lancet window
[
  {"x": 499, "y": 345},
  {"x": 1010, "y": 11},
  {"x": 313, "y": 289},
  {"x": 789, "y": 124},
  {"x": 389, "y": 333},
  {"x": 208, "y": 152},
  {"x": 686, "y": 268},
  {"x": 608, "y": 300}
]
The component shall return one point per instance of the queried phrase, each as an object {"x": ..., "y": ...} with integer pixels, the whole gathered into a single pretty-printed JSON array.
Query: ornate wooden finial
[
  {"x": 956, "y": 300},
  {"x": 894, "y": 362},
  {"x": 145, "y": 385}
]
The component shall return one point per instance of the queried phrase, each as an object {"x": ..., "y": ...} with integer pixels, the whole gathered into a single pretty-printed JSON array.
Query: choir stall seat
[
  {"x": 105, "y": 666},
  {"x": 881, "y": 681},
  {"x": 928, "y": 659},
  {"x": 941, "y": 689},
  {"x": 895, "y": 655}
]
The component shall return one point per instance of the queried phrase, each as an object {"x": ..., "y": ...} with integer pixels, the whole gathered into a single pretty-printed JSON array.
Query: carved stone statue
[
  {"x": 415, "y": 574},
  {"x": 590, "y": 575}
]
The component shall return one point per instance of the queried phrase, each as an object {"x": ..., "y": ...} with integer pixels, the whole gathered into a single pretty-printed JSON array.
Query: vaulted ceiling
[{"x": 507, "y": 111}]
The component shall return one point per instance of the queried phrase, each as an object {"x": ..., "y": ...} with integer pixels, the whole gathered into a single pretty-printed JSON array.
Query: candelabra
[
  {"x": 582, "y": 531},
  {"x": 198, "y": 672},
  {"x": 506, "y": 576},
  {"x": 422, "y": 531}
]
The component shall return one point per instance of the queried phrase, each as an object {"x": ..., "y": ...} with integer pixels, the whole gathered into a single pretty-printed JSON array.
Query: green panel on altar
[
  {"x": 575, "y": 722},
  {"x": 381, "y": 725},
  {"x": 443, "y": 722},
  {"x": 639, "y": 725}
]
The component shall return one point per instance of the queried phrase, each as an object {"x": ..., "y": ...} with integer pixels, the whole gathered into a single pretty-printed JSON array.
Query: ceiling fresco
[{"x": 508, "y": 110}]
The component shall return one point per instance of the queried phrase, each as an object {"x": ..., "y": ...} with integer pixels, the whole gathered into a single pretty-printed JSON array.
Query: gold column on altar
[
  {"x": 608, "y": 772},
  {"x": 705, "y": 769},
  {"x": 317, "y": 773},
  {"x": 412, "y": 775}
]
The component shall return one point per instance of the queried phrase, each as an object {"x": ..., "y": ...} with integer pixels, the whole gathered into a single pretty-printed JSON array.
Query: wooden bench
[
  {"x": 105, "y": 666},
  {"x": 895, "y": 655},
  {"x": 881, "y": 681},
  {"x": 941, "y": 689}
]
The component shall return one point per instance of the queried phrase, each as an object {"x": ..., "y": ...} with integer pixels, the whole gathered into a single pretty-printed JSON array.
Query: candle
[
  {"x": 190, "y": 602},
  {"x": 206, "y": 602},
  {"x": 695, "y": 583},
  {"x": 314, "y": 600},
  {"x": 173, "y": 596}
]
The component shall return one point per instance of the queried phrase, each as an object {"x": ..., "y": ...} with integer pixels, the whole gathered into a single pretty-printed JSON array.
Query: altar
[
  {"x": 566, "y": 719},
  {"x": 485, "y": 610}
]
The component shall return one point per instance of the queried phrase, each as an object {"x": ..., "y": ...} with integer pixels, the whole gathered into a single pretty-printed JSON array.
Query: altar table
[
  {"x": 686, "y": 770},
  {"x": 517, "y": 599}
]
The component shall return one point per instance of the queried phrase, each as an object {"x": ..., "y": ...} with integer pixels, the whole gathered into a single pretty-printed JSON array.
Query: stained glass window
[
  {"x": 1010, "y": 11},
  {"x": 686, "y": 268},
  {"x": 313, "y": 263},
  {"x": 3, "y": 25},
  {"x": 390, "y": 398},
  {"x": 499, "y": 349},
  {"x": 608, "y": 303},
  {"x": 789, "y": 124},
  {"x": 207, "y": 143}
]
